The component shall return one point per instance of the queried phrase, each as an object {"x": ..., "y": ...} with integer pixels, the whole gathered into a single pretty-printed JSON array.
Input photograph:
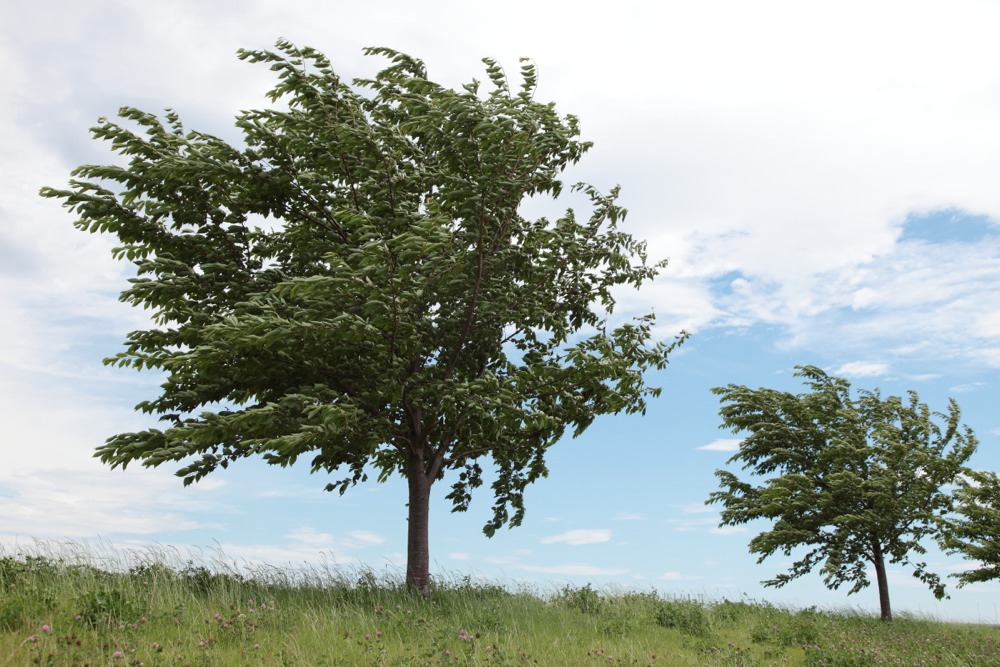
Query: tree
[
  {"x": 855, "y": 482},
  {"x": 356, "y": 284},
  {"x": 974, "y": 530}
]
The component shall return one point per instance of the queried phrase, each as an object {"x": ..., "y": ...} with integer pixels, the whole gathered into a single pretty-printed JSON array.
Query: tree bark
[
  {"x": 418, "y": 577},
  {"x": 883, "y": 582}
]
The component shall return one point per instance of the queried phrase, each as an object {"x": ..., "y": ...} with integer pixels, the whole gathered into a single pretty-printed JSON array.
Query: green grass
[{"x": 73, "y": 607}]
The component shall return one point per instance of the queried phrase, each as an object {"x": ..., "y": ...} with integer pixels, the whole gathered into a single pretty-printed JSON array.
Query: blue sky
[{"x": 823, "y": 178}]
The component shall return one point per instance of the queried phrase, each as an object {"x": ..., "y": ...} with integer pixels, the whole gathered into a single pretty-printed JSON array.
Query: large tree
[
  {"x": 974, "y": 529},
  {"x": 849, "y": 481},
  {"x": 355, "y": 283}
]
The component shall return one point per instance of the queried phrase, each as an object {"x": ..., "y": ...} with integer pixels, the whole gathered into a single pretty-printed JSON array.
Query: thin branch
[
  {"x": 473, "y": 300},
  {"x": 466, "y": 454}
]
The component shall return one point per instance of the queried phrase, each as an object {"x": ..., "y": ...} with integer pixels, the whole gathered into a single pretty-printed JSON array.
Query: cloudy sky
[{"x": 824, "y": 177}]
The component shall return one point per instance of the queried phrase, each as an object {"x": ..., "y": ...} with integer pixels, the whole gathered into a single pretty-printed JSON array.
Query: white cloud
[
  {"x": 365, "y": 537},
  {"x": 677, "y": 576},
  {"x": 933, "y": 306},
  {"x": 576, "y": 569},
  {"x": 305, "y": 544},
  {"x": 55, "y": 488},
  {"x": 864, "y": 297},
  {"x": 309, "y": 537},
  {"x": 578, "y": 537},
  {"x": 691, "y": 525},
  {"x": 296, "y": 553},
  {"x": 459, "y": 556},
  {"x": 698, "y": 508},
  {"x": 862, "y": 369},
  {"x": 67, "y": 504},
  {"x": 210, "y": 484},
  {"x": 966, "y": 388},
  {"x": 722, "y": 445}
]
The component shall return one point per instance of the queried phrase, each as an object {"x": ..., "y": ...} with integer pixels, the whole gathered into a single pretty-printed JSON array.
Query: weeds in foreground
[{"x": 76, "y": 610}]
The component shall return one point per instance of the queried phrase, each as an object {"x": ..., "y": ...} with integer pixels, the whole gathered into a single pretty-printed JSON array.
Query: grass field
[{"x": 73, "y": 606}]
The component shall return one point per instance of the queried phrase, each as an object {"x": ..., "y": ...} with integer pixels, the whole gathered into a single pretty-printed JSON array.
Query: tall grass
[{"x": 75, "y": 605}]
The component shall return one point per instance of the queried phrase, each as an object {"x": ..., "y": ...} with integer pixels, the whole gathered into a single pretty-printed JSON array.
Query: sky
[{"x": 823, "y": 178}]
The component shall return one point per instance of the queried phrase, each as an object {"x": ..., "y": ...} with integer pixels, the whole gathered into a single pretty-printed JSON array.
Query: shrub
[
  {"x": 687, "y": 616},
  {"x": 730, "y": 611},
  {"x": 108, "y": 606},
  {"x": 15, "y": 570},
  {"x": 585, "y": 599}
]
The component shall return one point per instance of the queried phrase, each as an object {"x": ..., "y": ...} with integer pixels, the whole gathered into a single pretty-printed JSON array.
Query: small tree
[
  {"x": 356, "y": 285},
  {"x": 855, "y": 482},
  {"x": 974, "y": 530}
]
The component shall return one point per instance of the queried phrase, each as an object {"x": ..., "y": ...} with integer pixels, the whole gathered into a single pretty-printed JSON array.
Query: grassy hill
[{"x": 69, "y": 610}]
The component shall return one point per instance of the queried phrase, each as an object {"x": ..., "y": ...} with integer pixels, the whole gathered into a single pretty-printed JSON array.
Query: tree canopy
[
  {"x": 974, "y": 529},
  {"x": 355, "y": 284},
  {"x": 848, "y": 481}
]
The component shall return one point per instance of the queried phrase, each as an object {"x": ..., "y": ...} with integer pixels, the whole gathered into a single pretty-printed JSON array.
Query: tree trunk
[
  {"x": 418, "y": 577},
  {"x": 883, "y": 582}
]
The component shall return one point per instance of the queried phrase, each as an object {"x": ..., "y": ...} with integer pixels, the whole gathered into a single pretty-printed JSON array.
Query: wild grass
[{"x": 77, "y": 606}]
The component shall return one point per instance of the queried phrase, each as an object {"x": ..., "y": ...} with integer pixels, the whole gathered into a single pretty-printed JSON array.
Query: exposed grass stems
[{"x": 75, "y": 604}]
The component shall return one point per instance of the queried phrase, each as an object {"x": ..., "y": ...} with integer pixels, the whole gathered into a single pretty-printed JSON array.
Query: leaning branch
[{"x": 473, "y": 300}]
